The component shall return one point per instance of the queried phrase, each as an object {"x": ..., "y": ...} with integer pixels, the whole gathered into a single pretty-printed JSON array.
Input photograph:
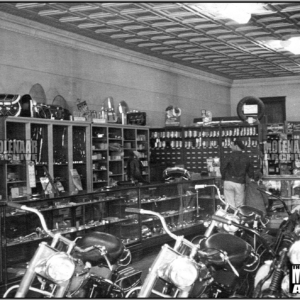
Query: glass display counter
[
  {"x": 285, "y": 186},
  {"x": 75, "y": 215}
]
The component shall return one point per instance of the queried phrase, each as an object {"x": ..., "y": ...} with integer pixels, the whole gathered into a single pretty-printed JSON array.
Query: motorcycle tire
[{"x": 250, "y": 100}]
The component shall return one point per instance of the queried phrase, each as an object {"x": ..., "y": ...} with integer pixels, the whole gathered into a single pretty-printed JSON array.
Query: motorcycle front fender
[
  {"x": 262, "y": 272},
  {"x": 41, "y": 252},
  {"x": 164, "y": 258}
]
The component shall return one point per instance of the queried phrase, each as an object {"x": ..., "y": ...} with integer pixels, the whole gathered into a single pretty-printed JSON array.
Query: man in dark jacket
[
  {"x": 234, "y": 168},
  {"x": 134, "y": 167}
]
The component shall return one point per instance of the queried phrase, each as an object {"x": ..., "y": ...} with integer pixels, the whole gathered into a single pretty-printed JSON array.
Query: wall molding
[
  {"x": 75, "y": 41},
  {"x": 266, "y": 81}
]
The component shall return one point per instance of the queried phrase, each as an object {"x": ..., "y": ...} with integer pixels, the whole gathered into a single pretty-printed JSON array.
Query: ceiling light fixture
[
  {"x": 238, "y": 12},
  {"x": 234, "y": 12},
  {"x": 292, "y": 44}
]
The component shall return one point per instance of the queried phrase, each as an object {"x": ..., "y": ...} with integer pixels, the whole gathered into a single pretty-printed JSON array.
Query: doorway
[{"x": 274, "y": 109}]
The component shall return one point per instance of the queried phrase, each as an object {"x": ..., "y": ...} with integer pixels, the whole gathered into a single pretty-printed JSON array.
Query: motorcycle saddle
[
  {"x": 113, "y": 245},
  {"x": 237, "y": 249},
  {"x": 249, "y": 213}
]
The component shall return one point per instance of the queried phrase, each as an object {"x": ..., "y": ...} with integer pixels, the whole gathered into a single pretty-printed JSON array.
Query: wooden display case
[
  {"x": 110, "y": 149},
  {"x": 193, "y": 145},
  {"x": 54, "y": 146},
  {"x": 95, "y": 151}
]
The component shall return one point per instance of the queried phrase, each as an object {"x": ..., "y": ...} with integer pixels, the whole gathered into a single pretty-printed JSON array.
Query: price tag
[{"x": 31, "y": 174}]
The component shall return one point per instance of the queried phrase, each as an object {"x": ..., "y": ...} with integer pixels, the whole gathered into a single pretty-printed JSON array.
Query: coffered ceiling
[{"x": 184, "y": 33}]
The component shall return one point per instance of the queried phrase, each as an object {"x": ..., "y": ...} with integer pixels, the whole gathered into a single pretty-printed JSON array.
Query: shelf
[
  {"x": 172, "y": 214},
  {"x": 66, "y": 141},
  {"x": 100, "y": 181},
  {"x": 176, "y": 230}
]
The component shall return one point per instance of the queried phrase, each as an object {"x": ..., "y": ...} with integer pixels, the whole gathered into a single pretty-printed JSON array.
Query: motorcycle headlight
[
  {"x": 182, "y": 272},
  {"x": 285, "y": 287},
  {"x": 60, "y": 267},
  {"x": 294, "y": 253},
  {"x": 297, "y": 230},
  {"x": 285, "y": 284}
]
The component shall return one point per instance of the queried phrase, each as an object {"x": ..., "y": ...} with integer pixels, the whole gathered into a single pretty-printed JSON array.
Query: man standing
[{"x": 234, "y": 168}]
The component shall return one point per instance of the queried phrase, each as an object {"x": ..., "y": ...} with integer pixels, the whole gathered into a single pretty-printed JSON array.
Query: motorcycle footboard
[{"x": 128, "y": 278}]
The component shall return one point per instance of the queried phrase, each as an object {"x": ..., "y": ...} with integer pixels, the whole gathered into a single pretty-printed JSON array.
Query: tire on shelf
[{"x": 250, "y": 100}]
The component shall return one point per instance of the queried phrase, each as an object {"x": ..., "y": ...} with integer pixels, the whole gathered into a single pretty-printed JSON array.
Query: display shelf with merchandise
[
  {"x": 111, "y": 144},
  {"x": 167, "y": 146},
  {"x": 250, "y": 135},
  {"x": 50, "y": 154},
  {"x": 199, "y": 144},
  {"x": 74, "y": 215}
]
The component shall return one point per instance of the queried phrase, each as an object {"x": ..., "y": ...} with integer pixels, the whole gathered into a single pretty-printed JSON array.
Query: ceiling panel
[{"x": 182, "y": 32}]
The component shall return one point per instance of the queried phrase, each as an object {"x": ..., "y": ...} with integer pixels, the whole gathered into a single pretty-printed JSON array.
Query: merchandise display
[
  {"x": 111, "y": 145},
  {"x": 75, "y": 174},
  {"x": 62, "y": 146},
  {"x": 75, "y": 214},
  {"x": 193, "y": 146}
]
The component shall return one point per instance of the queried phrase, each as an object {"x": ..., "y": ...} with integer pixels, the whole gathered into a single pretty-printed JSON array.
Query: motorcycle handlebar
[
  {"x": 230, "y": 222},
  {"x": 277, "y": 197},
  {"x": 14, "y": 205},
  {"x": 202, "y": 186},
  {"x": 150, "y": 212},
  {"x": 133, "y": 210},
  {"x": 43, "y": 222},
  {"x": 222, "y": 220},
  {"x": 178, "y": 239}
]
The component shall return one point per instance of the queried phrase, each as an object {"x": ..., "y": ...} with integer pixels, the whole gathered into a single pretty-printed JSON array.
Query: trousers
[{"x": 234, "y": 193}]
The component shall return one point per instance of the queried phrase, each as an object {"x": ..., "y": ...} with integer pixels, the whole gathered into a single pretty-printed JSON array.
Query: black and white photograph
[{"x": 150, "y": 149}]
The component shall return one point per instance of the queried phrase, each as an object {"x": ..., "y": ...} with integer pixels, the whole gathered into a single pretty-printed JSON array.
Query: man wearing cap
[{"x": 234, "y": 168}]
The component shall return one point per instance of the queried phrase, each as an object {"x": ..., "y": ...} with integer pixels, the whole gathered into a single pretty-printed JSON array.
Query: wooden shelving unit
[{"x": 192, "y": 146}]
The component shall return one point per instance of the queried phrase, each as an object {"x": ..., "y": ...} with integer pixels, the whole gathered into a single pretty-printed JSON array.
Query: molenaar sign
[{"x": 18, "y": 149}]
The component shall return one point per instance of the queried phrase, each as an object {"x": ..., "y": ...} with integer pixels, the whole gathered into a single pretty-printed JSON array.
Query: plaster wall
[
  {"x": 288, "y": 87},
  {"x": 78, "y": 68}
]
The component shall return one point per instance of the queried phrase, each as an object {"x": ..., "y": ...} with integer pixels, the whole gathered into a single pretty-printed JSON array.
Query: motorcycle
[
  {"x": 273, "y": 277},
  {"x": 88, "y": 267},
  {"x": 214, "y": 267},
  {"x": 245, "y": 215}
]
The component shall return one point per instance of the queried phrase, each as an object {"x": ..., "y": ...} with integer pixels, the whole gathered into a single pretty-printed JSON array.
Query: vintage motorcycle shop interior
[{"x": 85, "y": 85}]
